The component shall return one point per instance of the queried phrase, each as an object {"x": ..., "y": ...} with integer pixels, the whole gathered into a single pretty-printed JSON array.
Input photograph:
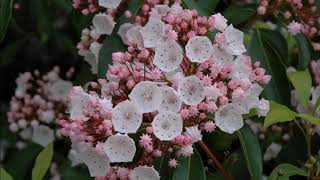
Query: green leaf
[
  {"x": 42, "y": 163},
  {"x": 8, "y": 52},
  {"x": 310, "y": 118},
  {"x": 204, "y": 7},
  {"x": 302, "y": 82},
  {"x": 304, "y": 51},
  {"x": 238, "y": 14},
  {"x": 5, "y": 15},
  {"x": 68, "y": 172},
  {"x": 284, "y": 171},
  {"x": 251, "y": 151},
  {"x": 219, "y": 140},
  {"x": 84, "y": 75},
  {"x": 190, "y": 168},
  {"x": 270, "y": 48},
  {"x": 278, "y": 113},
  {"x": 4, "y": 175},
  {"x": 316, "y": 106},
  {"x": 134, "y": 6},
  {"x": 161, "y": 165}
]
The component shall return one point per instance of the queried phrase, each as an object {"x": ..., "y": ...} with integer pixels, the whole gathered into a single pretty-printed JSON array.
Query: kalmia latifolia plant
[
  {"x": 171, "y": 85},
  {"x": 39, "y": 101}
]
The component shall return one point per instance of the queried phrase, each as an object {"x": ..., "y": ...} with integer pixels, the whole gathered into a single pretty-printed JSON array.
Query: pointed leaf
[
  {"x": 270, "y": 48},
  {"x": 190, "y": 168},
  {"x": 238, "y": 14},
  {"x": 42, "y": 163},
  {"x": 4, "y": 175},
  {"x": 5, "y": 15},
  {"x": 302, "y": 83},
  {"x": 204, "y": 7},
  {"x": 308, "y": 117},
  {"x": 284, "y": 171},
  {"x": 278, "y": 113},
  {"x": 304, "y": 51},
  {"x": 161, "y": 165},
  {"x": 251, "y": 151}
]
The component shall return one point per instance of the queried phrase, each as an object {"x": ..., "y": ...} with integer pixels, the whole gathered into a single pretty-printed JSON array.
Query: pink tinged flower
[
  {"x": 173, "y": 163},
  {"x": 147, "y": 96},
  {"x": 170, "y": 99},
  {"x": 152, "y": 32},
  {"x": 111, "y": 4},
  {"x": 120, "y": 148},
  {"x": 167, "y": 125},
  {"x": 186, "y": 150},
  {"x": 103, "y": 23},
  {"x": 144, "y": 172},
  {"x": 237, "y": 94},
  {"x": 287, "y": 14},
  {"x": 194, "y": 133},
  {"x": 123, "y": 29},
  {"x": 229, "y": 118},
  {"x": 172, "y": 35},
  {"x": 192, "y": 90},
  {"x": 223, "y": 100},
  {"x": 123, "y": 173},
  {"x": 155, "y": 74},
  {"x": 199, "y": 49},
  {"x": 262, "y": 10},
  {"x": 220, "y": 22},
  {"x": 134, "y": 36},
  {"x": 234, "y": 41},
  {"x": 202, "y": 116},
  {"x": 145, "y": 140},
  {"x": 157, "y": 153},
  {"x": 209, "y": 126},
  {"x": 149, "y": 130},
  {"x": 184, "y": 113},
  {"x": 263, "y": 107},
  {"x": 126, "y": 117},
  {"x": 168, "y": 55},
  {"x": 316, "y": 46},
  {"x": 212, "y": 107},
  {"x": 294, "y": 27},
  {"x": 96, "y": 163}
]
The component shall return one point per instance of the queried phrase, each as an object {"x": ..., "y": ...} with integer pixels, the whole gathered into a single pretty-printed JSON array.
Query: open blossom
[
  {"x": 38, "y": 102},
  {"x": 163, "y": 88},
  {"x": 294, "y": 27}
]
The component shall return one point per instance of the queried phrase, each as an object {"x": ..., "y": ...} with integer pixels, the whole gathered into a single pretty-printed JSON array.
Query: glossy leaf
[
  {"x": 190, "y": 168},
  {"x": 161, "y": 165},
  {"x": 302, "y": 83},
  {"x": 310, "y": 118},
  {"x": 219, "y": 140},
  {"x": 284, "y": 171},
  {"x": 42, "y": 163},
  {"x": 239, "y": 14},
  {"x": 304, "y": 51},
  {"x": 251, "y": 151},
  {"x": 4, "y": 175},
  {"x": 270, "y": 48},
  {"x": 278, "y": 113},
  {"x": 68, "y": 172},
  {"x": 204, "y": 7},
  {"x": 5, "y": 15}
]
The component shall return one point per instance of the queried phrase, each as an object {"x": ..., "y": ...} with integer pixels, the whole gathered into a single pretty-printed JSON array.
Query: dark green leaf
[
  {"x": 8, "y": 53},
  {"x": 284, "y": 171},
  {"x": 278, "y": 113},
  {"x": 161, "y": 165},
  {"x": 4, "y": 175},
  {"x": 302, "y": 83},
  {"x": 84, "y": 75},
  {"x": 204, "y": 7},
  {"x": 270, "y": 48},
  {"x": 5, "y": 15},
  {"x": 238, "y": 14},
  {"x": 42, "y": 163},
  {"x": 134, "y": 6},
  {"x": 64, "y": 5},
  {"x": 190, "y": 168},
  {"x": 219, "y": 140},
  {"x": 67, "y": 172},
  {"x": 304, "y": 51},
  {"x": 251, "y": 151}
]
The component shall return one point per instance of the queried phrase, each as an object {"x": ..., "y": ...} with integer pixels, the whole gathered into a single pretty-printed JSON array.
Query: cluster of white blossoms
[
  {"x": 170, "y": 86},
  {"x": 38, "y": 102}
]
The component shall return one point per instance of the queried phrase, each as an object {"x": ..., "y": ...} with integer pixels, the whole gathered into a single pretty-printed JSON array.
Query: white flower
[
  {"x": 93, "y": 60},
  {"x": 212, "y": 92},
  {"x": 228, "y": 118},
  {"x": 220, "y": 22},
  {"x": 191, "y": 90},
  {"x": 126, "y": 117},
  {"x": 162, "y": 9},
  {"x": 47, "y": 116},
  {"x": 147, "y": 96},
  {"x": 250, "y": 99},
  {"x": 135, "y": 35},
  {"x": 112, "y": 4},
  {"x": 42, "y": 135},
  {"x": 26, "y": 133},
  {"x": 199, "y": 49},
  {"x": 53, "y": 76},
  {"x": 80, "y": 101},
  {"x": 222, "y": 57},
  {"x": 167, "y": 125},
  {"x": 120, "y": 148},
  {"x": 103, "y": 24},
  {"x": 170, "y": 99},
  {"x": 95, "y": 48},
  {"x": 122, "y": 32},
  {"x": 152, "y": 32},
  {"x": 175, "y": 9},
  {"x": 272, "y": 151},
  {"x": 168, "y": 55},
  {"x": 185, "y": 150},
  {"x": 194, "y": 133},
  {"x": 74, "y": 157},
  {"x": 59, "y": 89},
  {"x": 144, "y": 173},
  {"x": 240, "y": 71},
  {"x": 97, "y": 164},
  {"x": 234, "y": 41},
  {"x": 263, "y": 107}
]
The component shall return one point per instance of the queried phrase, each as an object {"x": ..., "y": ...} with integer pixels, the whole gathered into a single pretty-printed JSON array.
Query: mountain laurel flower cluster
[
  {"x": 38, "y": 102},
  {"x": 171, "y": 85},
  {"x": 300, "y": 17}
]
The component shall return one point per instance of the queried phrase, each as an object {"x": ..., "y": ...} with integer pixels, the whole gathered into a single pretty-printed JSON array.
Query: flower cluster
[
  {"x": 38, "y": 102},
  {"x": 300, "y": 17},
  {"x": 171, "y": 85}
]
